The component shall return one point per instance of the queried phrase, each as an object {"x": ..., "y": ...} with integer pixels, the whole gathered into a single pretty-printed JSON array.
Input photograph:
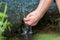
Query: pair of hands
[{"x": 32, "y": 18}]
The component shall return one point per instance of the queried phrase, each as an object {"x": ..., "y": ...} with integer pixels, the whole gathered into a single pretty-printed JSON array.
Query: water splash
[{"x": 27, "y": 32}]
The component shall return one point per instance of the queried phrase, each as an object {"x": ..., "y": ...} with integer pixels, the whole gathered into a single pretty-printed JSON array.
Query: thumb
[
  {"x": 26, "y": 19},
  {"x": 29, "y": 15}
]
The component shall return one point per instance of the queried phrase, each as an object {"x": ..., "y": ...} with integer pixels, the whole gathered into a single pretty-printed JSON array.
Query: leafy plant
[
  {"x": 3, "y": 24},
  {"x": 57, "y": 24}
]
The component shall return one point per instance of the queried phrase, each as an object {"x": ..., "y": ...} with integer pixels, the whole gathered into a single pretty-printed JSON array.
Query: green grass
[
  {"x": 3, "y": 25},
  {"x": 46, "y": 37}
]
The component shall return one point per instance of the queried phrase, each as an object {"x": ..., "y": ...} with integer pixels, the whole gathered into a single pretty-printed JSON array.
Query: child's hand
[{"x": 32, "y": 18}]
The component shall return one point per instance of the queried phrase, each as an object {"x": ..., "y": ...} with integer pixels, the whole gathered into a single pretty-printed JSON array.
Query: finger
[
  {"x": 26, "y": 19},
  {"x": 28, "y": 23},
  {"x": 34, "y": 23}
]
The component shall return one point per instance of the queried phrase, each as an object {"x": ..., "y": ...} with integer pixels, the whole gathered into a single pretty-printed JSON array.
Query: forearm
[
  {"x": 43, "y": 6},
  {"x": 58, "y": 4}
]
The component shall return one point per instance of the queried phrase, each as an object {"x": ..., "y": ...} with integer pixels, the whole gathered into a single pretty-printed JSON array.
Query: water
[
  {"x": 26, "y": 32},
  {"x": 17, "y": 10}
]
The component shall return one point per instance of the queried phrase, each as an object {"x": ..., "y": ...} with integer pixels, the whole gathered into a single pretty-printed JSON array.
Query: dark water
[{"x": 17, "y": 10}]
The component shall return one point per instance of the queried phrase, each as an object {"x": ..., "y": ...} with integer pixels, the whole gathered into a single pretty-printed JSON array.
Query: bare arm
[
  {"x": 43, "y": 6},
  {"x": 58, "y": 4},
  {"x": 33, "y": 17}
]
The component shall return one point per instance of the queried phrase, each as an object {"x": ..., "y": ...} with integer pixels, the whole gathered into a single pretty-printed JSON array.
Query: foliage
[
  {"x": 16, "y": 11},
  {"x": 57, "y": 24},
  {"x": 18, "y": 8},
  {"x": 3, "y": 23}
]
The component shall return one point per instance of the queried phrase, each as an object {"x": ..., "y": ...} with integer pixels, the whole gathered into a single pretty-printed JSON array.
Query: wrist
[{"x": 37, "y": 11}]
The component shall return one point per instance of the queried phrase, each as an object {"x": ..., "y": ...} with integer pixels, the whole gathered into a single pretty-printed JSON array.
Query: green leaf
[
  {"x": 57, "y": 19},
  {"x": 1, "y": 23},
  {"x": 1, "y": 14},
  {"x": 4, "y": 12},
  {"x": 9, "y": 28},
  {"x": 1, "y": 30},
  {"x": 5, "y": 24}
]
